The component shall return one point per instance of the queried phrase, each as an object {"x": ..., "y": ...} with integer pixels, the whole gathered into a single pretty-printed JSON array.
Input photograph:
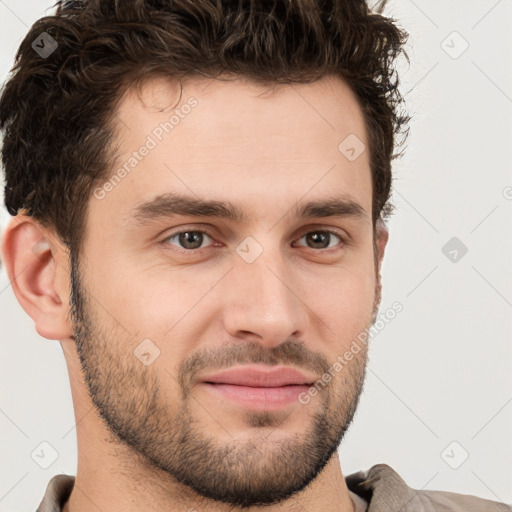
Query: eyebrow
[{"x": 172, "y": 204}]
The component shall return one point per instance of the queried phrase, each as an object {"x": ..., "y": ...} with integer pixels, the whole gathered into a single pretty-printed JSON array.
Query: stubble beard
[{"x": 242, "y": 473}]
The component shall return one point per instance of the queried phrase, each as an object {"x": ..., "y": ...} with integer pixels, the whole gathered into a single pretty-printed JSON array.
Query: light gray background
[{"x": 440, "y": 372}]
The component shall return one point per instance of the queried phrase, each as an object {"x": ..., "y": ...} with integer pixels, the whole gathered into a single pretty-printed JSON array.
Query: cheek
[
  {"x": 145, "y": 301},
  {"x": 345, "y": 300}
]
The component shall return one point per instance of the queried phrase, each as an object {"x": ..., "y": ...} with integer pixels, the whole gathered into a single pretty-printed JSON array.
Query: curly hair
[{"x": 56, "y": 110}]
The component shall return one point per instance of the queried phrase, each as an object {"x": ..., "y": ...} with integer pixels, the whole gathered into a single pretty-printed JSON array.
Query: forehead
[{"x": 229, "y": 138}]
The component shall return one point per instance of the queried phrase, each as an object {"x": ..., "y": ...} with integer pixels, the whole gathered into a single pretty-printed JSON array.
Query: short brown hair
[{"x": 56, "y": 112}]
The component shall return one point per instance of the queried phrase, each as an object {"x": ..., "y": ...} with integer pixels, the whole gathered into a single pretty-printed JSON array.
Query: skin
[{"x": 159, "y": 434}]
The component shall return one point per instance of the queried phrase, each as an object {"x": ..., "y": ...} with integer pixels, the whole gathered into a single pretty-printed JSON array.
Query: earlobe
[{"x": 33, "y": 261}]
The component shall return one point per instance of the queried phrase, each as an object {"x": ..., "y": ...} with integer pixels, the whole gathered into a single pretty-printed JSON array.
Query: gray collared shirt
[{"x": 379, "y": 489}]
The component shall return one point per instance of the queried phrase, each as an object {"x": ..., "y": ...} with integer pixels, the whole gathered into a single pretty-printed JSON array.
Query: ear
[
  {"x": 36, "y": 264},
  {"x": 381, "y": 240},
  {"x": 379, "y": 246}
]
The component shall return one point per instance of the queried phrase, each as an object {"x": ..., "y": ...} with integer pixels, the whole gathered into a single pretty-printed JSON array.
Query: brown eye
[
  {"x": 321, "y": 239},
  {"x": 188, "y": 240}
]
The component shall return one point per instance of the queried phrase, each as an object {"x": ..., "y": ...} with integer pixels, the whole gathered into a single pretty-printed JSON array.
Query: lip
[
  {"x": 258, "y": 387},
  {"x": 260, "y": 376}
]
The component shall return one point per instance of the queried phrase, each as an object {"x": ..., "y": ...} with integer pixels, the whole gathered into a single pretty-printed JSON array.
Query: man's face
[{"x": 166, "y": 303}]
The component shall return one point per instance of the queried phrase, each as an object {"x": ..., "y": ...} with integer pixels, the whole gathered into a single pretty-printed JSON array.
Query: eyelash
[{"x": 343, "y": 240}]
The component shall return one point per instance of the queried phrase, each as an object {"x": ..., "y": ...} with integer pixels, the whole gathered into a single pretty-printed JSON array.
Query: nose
[{"x": 263, "y": 301}]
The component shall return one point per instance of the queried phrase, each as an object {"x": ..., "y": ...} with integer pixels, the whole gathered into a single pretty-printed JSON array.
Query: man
[{"x": 199, "y": 192}]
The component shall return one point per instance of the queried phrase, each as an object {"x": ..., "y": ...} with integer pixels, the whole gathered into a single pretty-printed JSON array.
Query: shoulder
[
  {"x": 384, "y": 489},
  {"x": 57, "y": 492}
]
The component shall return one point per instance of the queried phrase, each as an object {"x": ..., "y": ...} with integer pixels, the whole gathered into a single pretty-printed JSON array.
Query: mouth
[{"x": 258, "y": 387}]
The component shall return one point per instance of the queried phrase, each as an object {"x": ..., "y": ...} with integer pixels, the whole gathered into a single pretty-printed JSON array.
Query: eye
[
  {"x": 191, "y": 240},
  {"x": 321, "y": 239},
  {"x": 188, "y": 240}
]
